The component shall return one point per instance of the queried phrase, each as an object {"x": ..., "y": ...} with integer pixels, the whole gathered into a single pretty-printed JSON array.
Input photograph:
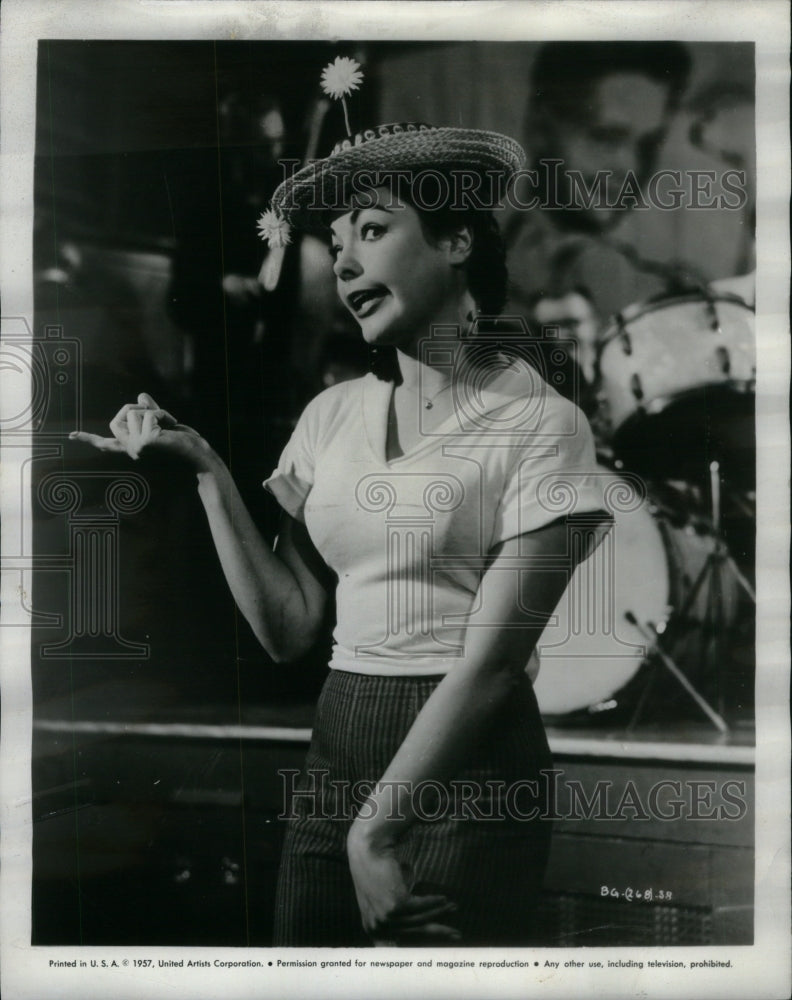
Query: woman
[{"x": 428, "y": 502}]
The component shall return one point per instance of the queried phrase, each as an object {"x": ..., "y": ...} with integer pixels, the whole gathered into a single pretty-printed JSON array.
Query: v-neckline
[
  {"x": 375, "y": 407},
  {"x": 376, "y": 412}
]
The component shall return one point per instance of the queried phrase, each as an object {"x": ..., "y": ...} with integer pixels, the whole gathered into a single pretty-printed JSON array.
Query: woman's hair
[
  {"x": 487, "y": 274},
  {"x": 486, "y": 266}
]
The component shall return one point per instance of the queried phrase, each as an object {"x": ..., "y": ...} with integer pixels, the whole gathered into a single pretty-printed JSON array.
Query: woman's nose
[{"x": 346, "y": 266}]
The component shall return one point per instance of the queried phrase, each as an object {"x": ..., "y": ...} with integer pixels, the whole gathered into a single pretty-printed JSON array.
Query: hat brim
[{"x": 326, "y": 185}]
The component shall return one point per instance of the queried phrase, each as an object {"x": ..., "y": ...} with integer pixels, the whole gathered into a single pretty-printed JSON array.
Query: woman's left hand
[{"x": 391, "y": 914}]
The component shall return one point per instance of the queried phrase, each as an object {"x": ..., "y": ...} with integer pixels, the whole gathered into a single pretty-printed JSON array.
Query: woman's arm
[
  {"x": 282, "y": 592},
  {"x": 456, "y": 714}
]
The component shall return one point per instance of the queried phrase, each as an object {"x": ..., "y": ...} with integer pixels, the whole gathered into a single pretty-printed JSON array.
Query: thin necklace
[{"x": 428, "y": 401}]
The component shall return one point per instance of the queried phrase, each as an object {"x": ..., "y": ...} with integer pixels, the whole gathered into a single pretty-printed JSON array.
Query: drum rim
[
  {"x": 659, "y": 404},
  {"x": 618, "y": 701},
  {"x": 647, "y": 511},
  {"x": 616, "y": 323}
]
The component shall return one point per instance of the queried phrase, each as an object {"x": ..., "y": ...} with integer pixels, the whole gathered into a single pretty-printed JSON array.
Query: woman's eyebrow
[{"x": 355, "y": 213}]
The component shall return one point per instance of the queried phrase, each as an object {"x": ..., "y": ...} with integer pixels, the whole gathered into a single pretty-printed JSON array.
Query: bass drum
[{"x": 592, "y": 658}]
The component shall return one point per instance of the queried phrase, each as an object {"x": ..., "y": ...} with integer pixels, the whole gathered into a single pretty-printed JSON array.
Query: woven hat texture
[{"x": 325, "y": 184}]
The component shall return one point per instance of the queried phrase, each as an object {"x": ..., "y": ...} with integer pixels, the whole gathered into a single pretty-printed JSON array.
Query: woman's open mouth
[{"x": 366, "y": 300}]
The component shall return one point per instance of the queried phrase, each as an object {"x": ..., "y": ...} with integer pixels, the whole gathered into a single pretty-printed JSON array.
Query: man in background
[{"x": 599, "y": 113}]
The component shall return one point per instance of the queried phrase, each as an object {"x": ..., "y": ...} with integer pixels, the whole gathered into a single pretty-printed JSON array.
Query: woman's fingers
[
  {"x": 415, "y": 904},
  {"x": 150, "y": 427},
  {"x": 134, "y": 420},
  {"x": 414, "y": 909},
  {"x": 167, "y": 419},
  {"x": 135, "y": 426},
  {"x": 419, "y": 915},
  {"x": 144, "y": 428},
  {"x": 119, "y": 425},
  {"x": 423, "y": 917},
  {"x": 162, "y": 415},
  {"x": 102, "y": 443},
  {"x": 145, "y": 400}
]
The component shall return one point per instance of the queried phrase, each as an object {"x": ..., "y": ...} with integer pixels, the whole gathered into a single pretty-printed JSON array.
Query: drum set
[{"x": 657, "y": 623}]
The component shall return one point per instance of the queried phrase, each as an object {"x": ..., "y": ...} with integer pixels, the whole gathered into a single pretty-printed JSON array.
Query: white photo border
[{"x": 761, "y": 970}]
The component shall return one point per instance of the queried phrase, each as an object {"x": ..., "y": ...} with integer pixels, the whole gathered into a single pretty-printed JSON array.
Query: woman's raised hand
[{"x": 144, "y": 425}]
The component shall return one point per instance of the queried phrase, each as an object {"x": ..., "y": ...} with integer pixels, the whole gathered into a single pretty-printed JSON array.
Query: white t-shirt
[{"x": 408, "y": 539}]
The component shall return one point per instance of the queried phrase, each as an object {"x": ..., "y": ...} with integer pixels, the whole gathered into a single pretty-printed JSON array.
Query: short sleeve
[
  {"x": 293, "y": 478},
  {"x": 551, "y": 477}
]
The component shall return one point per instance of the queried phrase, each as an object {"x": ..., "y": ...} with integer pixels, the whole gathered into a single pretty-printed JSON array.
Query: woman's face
[{"x": 388, "y": 276}]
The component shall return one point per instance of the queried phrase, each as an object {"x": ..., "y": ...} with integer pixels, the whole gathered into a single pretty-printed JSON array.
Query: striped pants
[{"x": 482, "y": 840}]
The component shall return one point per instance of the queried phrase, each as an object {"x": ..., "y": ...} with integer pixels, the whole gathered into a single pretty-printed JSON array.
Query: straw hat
[
  {"x": 388, "y": 150},
  {"x": 385, "y": 150}
]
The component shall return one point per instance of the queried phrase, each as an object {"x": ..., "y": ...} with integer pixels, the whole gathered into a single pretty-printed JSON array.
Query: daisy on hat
[{"x": 472, "y": 166}]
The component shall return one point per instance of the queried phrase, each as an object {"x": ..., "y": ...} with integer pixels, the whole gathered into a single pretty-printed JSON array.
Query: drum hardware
[
  {"x": 653, "y": 634},
  {"x": 595, "y": 663},
  {"x": 709, "y": 305},
  {"x": 624, "y": 338},
  {"x": 720, "y": 553},
  {"x": 677, "y": 518},
  {"x": 718, "y": 560},
  {"x": 722, "y": 354},
  {"x": 674, "y": 390}
]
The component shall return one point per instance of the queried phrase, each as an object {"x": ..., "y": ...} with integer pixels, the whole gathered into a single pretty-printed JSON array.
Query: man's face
[{"x": 617, "y": 131}]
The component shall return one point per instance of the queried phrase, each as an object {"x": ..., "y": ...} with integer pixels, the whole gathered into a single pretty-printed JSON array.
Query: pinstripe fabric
[{"x": 492, "y": 868}]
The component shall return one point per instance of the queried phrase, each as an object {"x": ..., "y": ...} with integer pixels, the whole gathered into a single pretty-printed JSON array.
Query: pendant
[{"x": 428, "y": 405}]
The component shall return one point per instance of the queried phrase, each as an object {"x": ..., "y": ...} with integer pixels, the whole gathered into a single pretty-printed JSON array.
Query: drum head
[
  {"x": 676, "y": 388},
  {"x": 590, "y": 651},
  {"x": 681, "y": 437}
]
